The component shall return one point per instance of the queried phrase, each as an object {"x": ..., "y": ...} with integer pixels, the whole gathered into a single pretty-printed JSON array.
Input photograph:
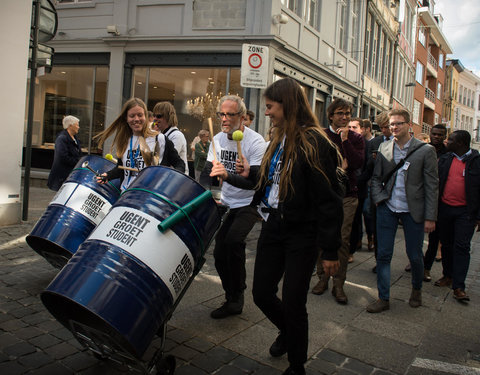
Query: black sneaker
[
  {"x": 227, "y": 309},
  {"x": 279, "y": 347},
  {"x": 298, "y": 370}
]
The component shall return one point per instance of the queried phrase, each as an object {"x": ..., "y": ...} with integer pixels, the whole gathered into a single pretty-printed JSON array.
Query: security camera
[
  {"x": 112, "y": 29},
  {"x": 279, "y": 18}
]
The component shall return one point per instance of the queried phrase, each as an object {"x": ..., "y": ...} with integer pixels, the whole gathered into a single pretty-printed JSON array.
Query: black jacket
[
  {"x": 67, "y": 153},
  {"x": 314, "y": 198},
  {"x": 472, "y": 180}
]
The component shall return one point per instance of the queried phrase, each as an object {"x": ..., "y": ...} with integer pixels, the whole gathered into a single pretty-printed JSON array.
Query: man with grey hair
[
  {"x": 67, "y": 153},
  {"x": 237, "y": 193}
]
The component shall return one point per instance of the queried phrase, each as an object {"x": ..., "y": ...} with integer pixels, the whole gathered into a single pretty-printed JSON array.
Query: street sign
[{"x": 254, "y": 71}]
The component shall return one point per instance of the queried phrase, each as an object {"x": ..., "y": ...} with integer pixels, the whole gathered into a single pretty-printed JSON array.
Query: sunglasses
[{"x": 158, "y": 116}]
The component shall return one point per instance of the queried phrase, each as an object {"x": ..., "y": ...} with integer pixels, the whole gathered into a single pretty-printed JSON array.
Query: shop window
[
  {"x": 194, "y": 92},
  {"x": 80, "y": 91}
]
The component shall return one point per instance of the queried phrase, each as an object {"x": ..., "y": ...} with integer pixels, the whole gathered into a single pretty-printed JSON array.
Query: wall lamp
[
  {"x": 338, "y": 64},
  {"x": 112, "y": 29},
  {"x": 279, "y": 18}
]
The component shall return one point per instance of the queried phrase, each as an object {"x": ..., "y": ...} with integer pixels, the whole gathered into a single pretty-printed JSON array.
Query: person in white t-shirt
[
  {"x": 136, "y": 145},
  {"x": 229, "y": 252},
  {"x": 166, "y": 122}
]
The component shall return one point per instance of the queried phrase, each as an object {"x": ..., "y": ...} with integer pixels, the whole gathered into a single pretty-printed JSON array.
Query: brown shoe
[
  {"x": 339, "y": 294},
  {"x": 426, "y": 276},
  {"x": 321, "y": 286},
  {"x": 350, "y": 259},
  {"x": 460, "y": 295},
  {"x": 415, "y": 298},
  {"x": 378, "y": 306},
  {"x": 444, "y": 281}
]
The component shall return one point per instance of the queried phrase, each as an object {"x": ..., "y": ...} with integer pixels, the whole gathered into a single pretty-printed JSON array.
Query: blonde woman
[{"x": 136, "y": 145}]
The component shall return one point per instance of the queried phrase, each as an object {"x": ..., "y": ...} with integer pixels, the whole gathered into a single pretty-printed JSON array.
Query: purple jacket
[{"x": 353, "y": 149}]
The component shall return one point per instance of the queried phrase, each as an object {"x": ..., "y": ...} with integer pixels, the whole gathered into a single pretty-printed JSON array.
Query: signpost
[{"x": 254, "y": 70}]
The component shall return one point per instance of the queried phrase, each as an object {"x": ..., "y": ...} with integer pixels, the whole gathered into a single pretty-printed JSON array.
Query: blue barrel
[
  {"x": 126, "y": 278},
  {"x": 75, "y": 211}
]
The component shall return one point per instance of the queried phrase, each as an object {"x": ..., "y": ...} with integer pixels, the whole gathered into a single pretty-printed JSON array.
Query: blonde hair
[
  {"x": 122, "y": 130},
  {"x": 168, "y": 111}
]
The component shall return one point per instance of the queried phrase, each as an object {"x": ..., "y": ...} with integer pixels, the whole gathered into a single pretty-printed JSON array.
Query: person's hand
[
  {"x": 330, "y": 267},
  {"x": 102, "y": 179},
  {"x": 343, "y": 132},
  {"x": 344, "y": 164},
  {"x": 218, "y": 170},
  {"x": 429, "y": 226},
  {"x": 242, "y": 168}
]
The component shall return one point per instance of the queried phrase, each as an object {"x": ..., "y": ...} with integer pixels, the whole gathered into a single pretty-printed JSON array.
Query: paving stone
[
  {"x": 7, "y": 339},
  {"x": 222, "y": 354},
  {"x": 207, "y": 363},
  {"x": 246, "y": 364},
  {"x": 4, "y": 357},
  {"x": 331, "y": 356},
  {"x": 199, "y": 344},
  {"x": 179, "y": 335},
  {"x": 37, "y": 318},
  {"x": 79, "y": 361},
  {"x": 345, "y": 371},
  {"x": 17, "y": 350},
  {"x": 189, "y": 370},
  {"x": 28, "y": 333},
  {"x": 62, "y": 334},
  {"x": 51, "y": 369},
  {"x": 49, "y": 325},
  {"x": 267, "y": 371},
  {"x": 382, "y": 372},
  {"x": 12, "y": 325},
  {"x": 357, "y": 366},
  {"x": 44, "y": 341},
  {"x": 35, "y": 360},
  {"x": 323, "y": 366},
  {"x": 183, "y": 352},
  {"x": 61, "y": 350},
  {"x": 229, "y": 370},
  {"x": 22, "y": 312},
  {"x": 11, "y": 368},
  {"x": 4, "y": 317}
]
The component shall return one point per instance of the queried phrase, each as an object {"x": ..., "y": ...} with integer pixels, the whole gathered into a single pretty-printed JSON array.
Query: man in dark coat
[{"x": 67, "y": 153}]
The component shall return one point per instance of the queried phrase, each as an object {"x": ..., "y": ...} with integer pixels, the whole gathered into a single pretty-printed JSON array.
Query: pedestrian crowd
[{"x": 312, "y": 218}]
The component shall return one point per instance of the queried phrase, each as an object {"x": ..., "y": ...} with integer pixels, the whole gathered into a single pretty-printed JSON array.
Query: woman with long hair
[
  {"x": 298, "y": 196},
  {"x": 136, "y": 145}
]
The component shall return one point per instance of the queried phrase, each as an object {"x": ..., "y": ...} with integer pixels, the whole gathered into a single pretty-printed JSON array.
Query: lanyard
[
  {"x": 132, "y": 158},
  {"x": 273, "y": 164}
]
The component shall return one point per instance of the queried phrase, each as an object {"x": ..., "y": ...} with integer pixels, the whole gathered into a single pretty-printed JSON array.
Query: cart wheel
[{"x": 166, "y": 365}]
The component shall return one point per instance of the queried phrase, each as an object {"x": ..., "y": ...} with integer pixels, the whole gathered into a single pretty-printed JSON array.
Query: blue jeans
[{"x": 387, "y": 223}]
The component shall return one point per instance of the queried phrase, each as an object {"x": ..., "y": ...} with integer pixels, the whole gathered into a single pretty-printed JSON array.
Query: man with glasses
[
  {"x": 236, "y": 193},
  {"x": 351, "y": 145},
  {"x": 166, "y": 122},
  {"x": 404, "y": 187}
]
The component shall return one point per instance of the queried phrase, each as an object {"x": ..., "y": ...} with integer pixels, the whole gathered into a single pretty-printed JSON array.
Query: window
[
  {"x": 368, "y": 35},
  {"x": 311, "y": 13},
  {"x": 194, "y": 92},
  {"x": 354, "y": 31},
  {"x": 419, "y": 73},
  {"x": 460, "y": 93},
  {"x": 421, "y": 35},
  {"x": 436, "y": 118},
  {"x": 416, "y": 112},
  {"x": 439, "y": 91},
  {"x": 73, "y": 1},
  {"x": 342, "y": 33},
  {"x": 388, "y": 65},
  {"x": 440, "y": 60},
  {"x": 80, "y": 91},
  {"x": 293, "y": 5},
  {"x": 464, "y": 101},
  {"x": 376, "y": 30},
  {"x": 380, "y": 70}
]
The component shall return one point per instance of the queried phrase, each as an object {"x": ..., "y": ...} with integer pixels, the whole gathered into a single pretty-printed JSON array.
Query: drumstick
[
  {"x": 210, "y": 126},
  {"x": 111, "y": 158}
]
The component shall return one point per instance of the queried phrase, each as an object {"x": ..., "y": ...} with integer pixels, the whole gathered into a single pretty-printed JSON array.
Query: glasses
[
  {"x": 228, "y": 115},
  {"x": 398, "y": 123},
  {"x": 341, "y": 114},
  {"x": 158, "y": 116}
]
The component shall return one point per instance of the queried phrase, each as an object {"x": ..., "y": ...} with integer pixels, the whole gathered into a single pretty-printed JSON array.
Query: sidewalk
[{"x": 441, "y": 337}]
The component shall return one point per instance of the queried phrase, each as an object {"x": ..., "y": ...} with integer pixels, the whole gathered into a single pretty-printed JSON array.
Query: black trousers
[
  {"x": 229, "y": 251},
  {"x": 289, "y": 251}
]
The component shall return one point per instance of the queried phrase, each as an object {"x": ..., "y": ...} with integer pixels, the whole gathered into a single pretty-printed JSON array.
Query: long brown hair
[
  {"x": 299, "y": 122},
  {"x": 122, "y": 130}
]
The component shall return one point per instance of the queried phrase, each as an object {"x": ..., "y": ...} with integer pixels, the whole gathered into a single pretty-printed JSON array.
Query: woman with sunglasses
[
  {"x": 136, "y": 145},
  {"x": 302, "y": 211}
]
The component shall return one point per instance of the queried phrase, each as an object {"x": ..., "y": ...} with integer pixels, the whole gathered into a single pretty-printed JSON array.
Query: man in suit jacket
[{"x": 410, "y": 195}]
